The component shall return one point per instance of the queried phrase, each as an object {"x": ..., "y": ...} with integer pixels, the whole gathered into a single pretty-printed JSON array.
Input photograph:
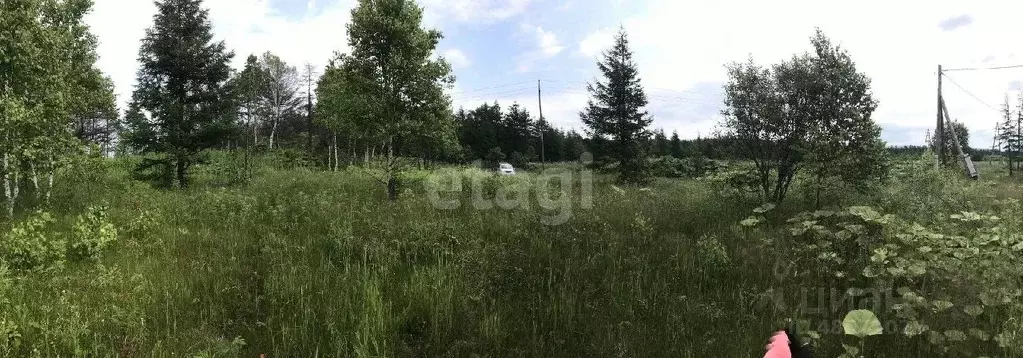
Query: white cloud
[
  {"x": 596, "y": 42},
  {"x": 548, "y": 43},
  {"x": 478, "y": 11},
  {"x": 457, "y": 58},
  {"x": 897, "y": 44},
  {"x": 246, "y": 26},
  {"x": 547, "y": 46}
]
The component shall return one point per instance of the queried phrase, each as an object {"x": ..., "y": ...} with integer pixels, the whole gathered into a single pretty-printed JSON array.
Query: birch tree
[
  {"x": 280, "y": 92},
  {"x": 48, "y": 80},
  {"x": 389, "y": 89}
]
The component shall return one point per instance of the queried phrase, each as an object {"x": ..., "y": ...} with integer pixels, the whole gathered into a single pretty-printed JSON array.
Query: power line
[
  {"x": 983, "y": 68},
  {"x": 492, "y": 87},
  {"x": 971, "y": 94}
]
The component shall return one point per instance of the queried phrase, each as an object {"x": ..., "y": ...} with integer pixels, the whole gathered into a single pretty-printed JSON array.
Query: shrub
[
  {"x": 735, "y": 181},
  {"x": 953, "y": 284},
  {"x": 28, "y": 245},
  {"x": 671, "y": 167},
  {"x": 91, "y": 233}
]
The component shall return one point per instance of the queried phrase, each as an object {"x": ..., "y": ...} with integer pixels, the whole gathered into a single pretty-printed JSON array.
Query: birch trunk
[
  {"x": 35, "y": 179},
  {"x": 49, "y": 181},
  {"x": 337, "y": 158},
  {"x": 9, "y": 194},
  {"x": 273, "y": 133}
]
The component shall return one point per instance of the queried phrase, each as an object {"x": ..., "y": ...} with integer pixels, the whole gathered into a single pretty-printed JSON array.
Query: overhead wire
[
  {"x": 971, "y": 94},
  {"x": 982, "y": 68}
]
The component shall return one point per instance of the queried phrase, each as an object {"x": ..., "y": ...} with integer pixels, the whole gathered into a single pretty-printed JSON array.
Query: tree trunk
[
  {"x": 35, "y": 179},
  {"x": 182, "y": 173},
  {"x": 392, "y": 182},
  {"x": 337, "y": 159},
  {"x": 330, "y": 157},
  {"x": 49, "y": 180},
  {"x": 255, "y": 132},
  {"x": 273, "y": 133},
  {"x": 355, "y": 153},
  {"x": 10, "y": 194}
]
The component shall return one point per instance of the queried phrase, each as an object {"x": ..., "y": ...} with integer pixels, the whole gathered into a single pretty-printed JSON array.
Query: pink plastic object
[{"x": 778, "y": 346}]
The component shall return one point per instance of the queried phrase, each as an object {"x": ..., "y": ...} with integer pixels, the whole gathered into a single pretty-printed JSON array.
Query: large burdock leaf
[
  {"x": 861, "y": 323},
  {"x": 914, "y": 328}
]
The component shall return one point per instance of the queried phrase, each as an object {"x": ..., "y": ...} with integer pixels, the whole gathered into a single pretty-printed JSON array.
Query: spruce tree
[
  {"x": 615, "y": 111},
  {"x": 1008, "y": 134},
  {"x": 661, "y": 146},
  {"x": 676, "y": 145},
  {"x": 181, "y": 86}
]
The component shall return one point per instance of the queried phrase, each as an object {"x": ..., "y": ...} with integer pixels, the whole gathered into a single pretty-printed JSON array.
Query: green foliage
[
  {"x": 693, "y": 167},
  {"x": 91, "y": 234},
  {"x": 861, "y": 323},
  {"x": 38, "y": 242},
  {"x": 1009, "y": 136},
  {"x": 962, "y": 132},
  {"x": 813, "y": 112},
  {"x": 182, "y": 105},
  {"x": 735, "y": 180},
  {"x": 49, "y": 90},
  {"x": 615, "y": 112},
  {"x": 30, "y": 244},
  {"x": 944, "y": 280},
  {"x": 494, "y": 156}
]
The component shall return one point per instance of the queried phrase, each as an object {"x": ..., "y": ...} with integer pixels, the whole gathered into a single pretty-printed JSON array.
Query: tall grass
[{"x": 301, "y": 263}]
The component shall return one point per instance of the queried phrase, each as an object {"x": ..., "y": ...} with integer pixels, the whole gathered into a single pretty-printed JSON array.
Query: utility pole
[
  {"x": 940, "y": 132},
  {"x": 539, "y": 100}
]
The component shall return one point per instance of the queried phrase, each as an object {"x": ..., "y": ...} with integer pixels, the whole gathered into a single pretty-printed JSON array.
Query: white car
[{"x": 506, "y": 169}]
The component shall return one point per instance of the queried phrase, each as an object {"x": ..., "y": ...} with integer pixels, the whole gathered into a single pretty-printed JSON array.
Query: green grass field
[{"x": 301, "y": 263}]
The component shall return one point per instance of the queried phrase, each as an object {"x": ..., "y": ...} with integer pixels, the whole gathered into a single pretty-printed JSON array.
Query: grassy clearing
[{"x": 303, "y": 263}]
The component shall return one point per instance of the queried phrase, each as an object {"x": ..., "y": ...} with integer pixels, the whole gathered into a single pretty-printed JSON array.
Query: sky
[{"x": 500, "y": 49}]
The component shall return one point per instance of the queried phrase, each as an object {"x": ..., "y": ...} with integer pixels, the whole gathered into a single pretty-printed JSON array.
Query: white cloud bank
[
  {"x": 246, "y": 26},
  {"x": 680, "y": 44}
]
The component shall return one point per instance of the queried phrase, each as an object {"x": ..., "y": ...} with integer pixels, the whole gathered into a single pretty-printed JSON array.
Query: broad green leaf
[
  {"x": 955, "y": 335},
  {"x": 764, "y": 208},
  {"x": 941, "y": 305},
  {"x": 861, "y": 323},
  {"x": 973, "y": 311},
  {"x": 935, "y": 338},
  {"x": 915, "y": 328},
  {"x": 750, "y": 222},
  {"x": 917, "y": 269},
  {"x": 980, "y": 334},
  {"x": 872, "y": 271}
]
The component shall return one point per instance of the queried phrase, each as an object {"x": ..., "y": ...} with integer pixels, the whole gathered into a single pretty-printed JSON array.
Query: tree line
[
  {"x": 52, "y": 95},
  {"x": 385, "y": 100}
]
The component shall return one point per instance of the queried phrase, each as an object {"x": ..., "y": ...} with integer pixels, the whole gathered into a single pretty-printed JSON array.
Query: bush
[
  {"x": 28, "y": 245},
  {"x": 735, "y": 181},
  {"x": 91, "y": 233},
  {"x": 952, "y": 284},
  {"x": 671, "y": 167},
  {"x": 36, "y": 241},
  {"x": 288, "y": 158}
]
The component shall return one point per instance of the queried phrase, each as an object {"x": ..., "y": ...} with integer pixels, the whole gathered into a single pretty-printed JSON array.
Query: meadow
[{"x": 298, "y": 262}]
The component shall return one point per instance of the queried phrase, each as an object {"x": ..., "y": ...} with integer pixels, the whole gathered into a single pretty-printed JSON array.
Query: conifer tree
[
  {"x": 181, "y": 89},
  {"x": 615, "y": 111}
]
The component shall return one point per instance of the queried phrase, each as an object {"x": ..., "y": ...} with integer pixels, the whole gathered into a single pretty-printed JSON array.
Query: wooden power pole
[{"x": 939, "y": 133}]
